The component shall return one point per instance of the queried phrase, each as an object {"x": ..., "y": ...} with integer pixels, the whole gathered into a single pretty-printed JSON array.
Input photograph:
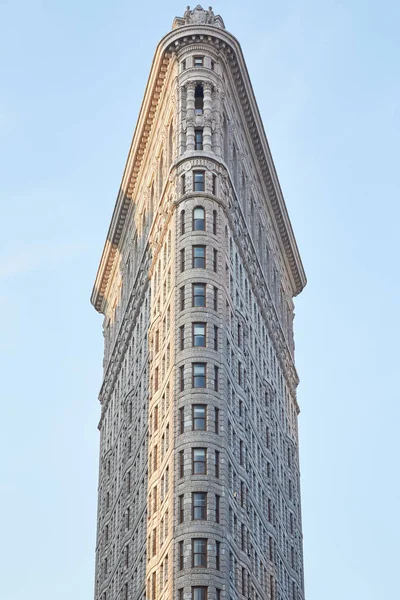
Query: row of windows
[
  {"x": 199, "y": 418},
  {"x": 199, "y": 507},
  {"x": 198, "y": 220},
  {"x": 198, "y": 181},
  {"x": 199, "y": 336},
  {"x": 200, "y": 554},
  {"x": 199, "y": 258},
  {"x": 198, "y": 61},
  {"x": 199, "y": 376},
  {"x": 199, "y": 462},
  {"x": 198, "y": 296},
  {"x": 199, "y": 593}
]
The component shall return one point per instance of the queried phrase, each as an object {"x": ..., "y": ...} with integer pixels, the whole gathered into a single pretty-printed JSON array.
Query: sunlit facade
[{"x": 199, "y": 493}]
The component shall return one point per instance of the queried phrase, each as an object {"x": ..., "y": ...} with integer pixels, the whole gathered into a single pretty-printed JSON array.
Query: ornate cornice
[{"x": 230, "y": 47}]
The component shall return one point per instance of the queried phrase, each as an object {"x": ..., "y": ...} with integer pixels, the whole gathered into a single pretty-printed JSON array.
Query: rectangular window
[
  {"x": 181, "y": 556},
  {"x": 198, "y": 61},
  {"x": 199, "y": 506},
  {"x": 199, "y": 593},
  {"x": 180, "y": 594},
  {"x": 182, "y": 378},
  {"x": 215, "y": 260},
  {"x": 182, "y": 254},
  {"x": 216, "y": 463},
  {"x": 214, "y": 184},
  {"x": 199, "y": 461},
  {"x": 199, "y": 552},
  {"x": 217, "y": 555},
  {"x": 199, "y": 334},
  {"x": 199, "y": 375},
  {"x": 182, "y": 221},
  {"x": 198, "y": 181},
  {"x": 183, "y": 63},
  {"x": 182, "y": 297},
  {"x": 216, "y": 420},
  {"x": 199, "y": 417},
  {"x": 214, "y": 218},
  {"x": 216, "y": 379},
  {"x": 181, "y": 464},
  {"x": 198, "y": 139},
  {"x": 215, "y": 298},
  {"x": 219, "y": 596},
  {"x": 198, "y": 257},
  {"x": 181, "y": 420},
  {"x": 183, "y": 184},
  {"x": 199, "y": 294},
  {"x": 217, "y": 507},
  {"x": 181, "y": 509},
  {"x": 182, "y": 337},
  {"x": 215, "y": 337}
]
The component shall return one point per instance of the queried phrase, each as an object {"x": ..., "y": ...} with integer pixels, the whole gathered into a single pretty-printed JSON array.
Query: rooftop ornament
[{"x": 199, "y": 16}]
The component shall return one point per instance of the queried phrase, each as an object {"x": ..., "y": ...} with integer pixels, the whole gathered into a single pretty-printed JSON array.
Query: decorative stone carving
[{"x": 199, "y": 16}]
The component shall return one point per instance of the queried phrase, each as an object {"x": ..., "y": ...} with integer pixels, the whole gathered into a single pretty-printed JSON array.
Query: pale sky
[{"x": 326, "y": 78}]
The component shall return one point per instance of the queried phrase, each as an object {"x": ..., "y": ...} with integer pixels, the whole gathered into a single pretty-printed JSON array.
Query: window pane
[
  {"x": 199, "y": 334},
  {"x": 199, "y": 219},
  {"x": 199, "y": 417},
  {"x": 199, "y": 593},
  {"x": 199, "y": 257},
  {"x": 199, "y": 461},
  {"x": 199, "y": 375},
  {"x": 199, "y": 506},
  {"x": 198, "y": 180},
  {"x": 199, "y": 294}
]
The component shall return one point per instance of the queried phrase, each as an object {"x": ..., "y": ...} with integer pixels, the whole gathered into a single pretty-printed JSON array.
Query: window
[
  {"x": 180, "y": 594},
  {"x": 198, "y": 257},
  {"x": 199, "y": 506},
  {"x": 198, "y": 100},
  {"x": 182, "y": 297},
  {"x": 183, "y": 63},
  {"x": 181, "y": 509},
  {"x": 198, "y": 61},
  {"x": 199, "y": 334},
  {"x": 199, "y": 593},
  {"x": 219, "y": 597},
  {"x": 215, "y": 298},
  {"x": 216, "y": 420},
  {"x": 198, "y": 136},
  {"x": 216, "y": 378},
  {"x": 199, "y": 461},
  {"x": 181, "y": 556},
  {"x": 182, "y": 222},
  {"x": 181, "y": 420},
  {"x": 199, "y": 417},
  {"x": 182, "y": 378},
  {"x": 198, "y": 181},
  {"x": 212, "y": 65},
  {"x": 183, "y": 184},
  {"x": 215, "y": 337},
  {"x": 199, "y": 294},
  {"x": 214, "y": 219},
  {"x": 181, "y": 464},
  {"x": 199, "y": 219},
  {"x": 217, "y": 507},
  {"x": 182, "y": 337},
  {"x": 218, "y": 555},
  {"x": 216, "y": 463},
  {"x": 199, "y": 552},
  {"x": 215, "y": 260},
  {"x": 182, "y": 254},
  {"x": 199, "y": 375}
]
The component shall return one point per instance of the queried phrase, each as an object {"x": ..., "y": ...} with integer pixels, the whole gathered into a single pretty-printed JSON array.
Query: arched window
[
  {"x": 198, "y": 99},
  {"x": 199, "y": 219}
]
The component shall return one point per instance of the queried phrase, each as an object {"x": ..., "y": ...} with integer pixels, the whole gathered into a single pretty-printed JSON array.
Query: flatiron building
[{"x": 199, "y": 493}]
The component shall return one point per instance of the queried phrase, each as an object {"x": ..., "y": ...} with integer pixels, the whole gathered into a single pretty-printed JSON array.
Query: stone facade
[{"x": 199, "y": 495}]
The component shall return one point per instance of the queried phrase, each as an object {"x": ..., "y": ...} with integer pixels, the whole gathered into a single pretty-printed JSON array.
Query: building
[{"x": 199, "y": 494}]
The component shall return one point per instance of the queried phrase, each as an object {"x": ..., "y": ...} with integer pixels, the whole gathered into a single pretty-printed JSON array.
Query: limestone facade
[{"x": 199, "y": 492}]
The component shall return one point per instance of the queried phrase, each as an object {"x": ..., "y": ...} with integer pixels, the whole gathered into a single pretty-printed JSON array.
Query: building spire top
[{"x": 199, "y": 16}]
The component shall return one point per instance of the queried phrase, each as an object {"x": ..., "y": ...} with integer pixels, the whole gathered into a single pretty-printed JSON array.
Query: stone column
[
  {"x": 207, "y": 141},
  {"x": 190, "y": 104}
]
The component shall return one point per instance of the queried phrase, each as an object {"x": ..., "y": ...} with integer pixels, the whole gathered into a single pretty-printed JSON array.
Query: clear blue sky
[{"x": 326, "y": 77}]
